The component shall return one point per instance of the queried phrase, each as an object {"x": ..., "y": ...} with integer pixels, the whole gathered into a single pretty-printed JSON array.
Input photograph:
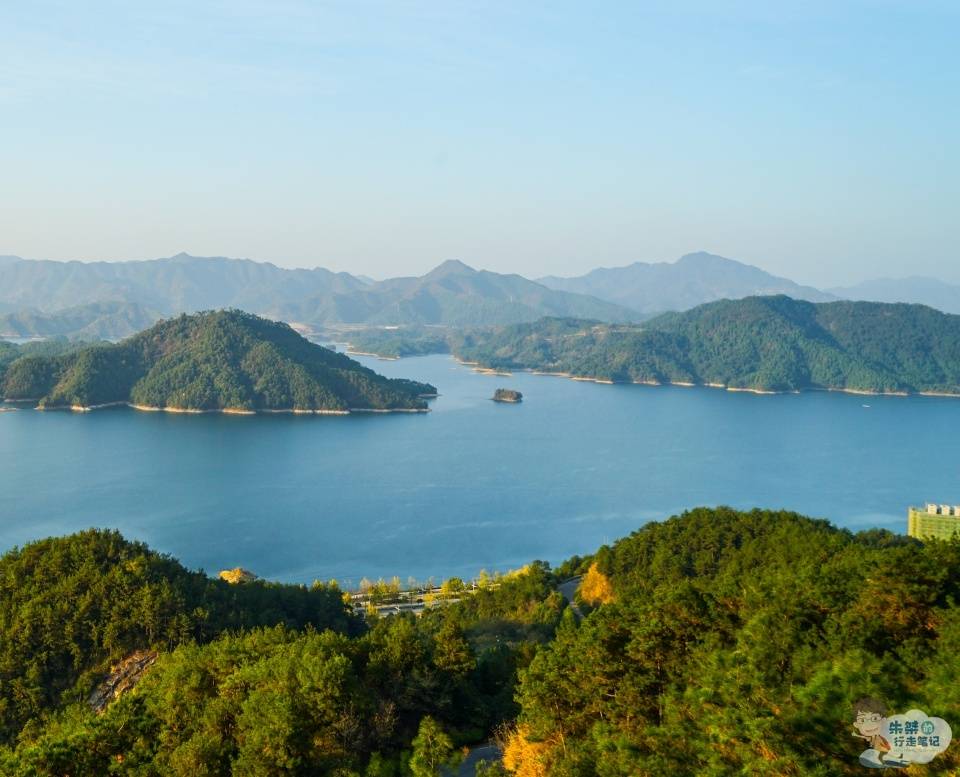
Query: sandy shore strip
[
  {"x": 302, "y": 411},
  {"x": 732, "y": 389},
  {"x": 741, "y": 390},
  {"x": 230, "y": 410},
  {"x": 491, "y": 371},
  {"x": 391, "y": 410},
  {"x": 81, "y": 408},
  {"x": 350, "y": 352}
]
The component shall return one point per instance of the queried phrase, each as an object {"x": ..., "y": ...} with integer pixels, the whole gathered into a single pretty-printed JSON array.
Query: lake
[{"x": 473, "y": 484}]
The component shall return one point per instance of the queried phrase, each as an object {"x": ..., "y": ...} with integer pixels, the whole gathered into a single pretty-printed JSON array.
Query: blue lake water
[{"x": 472, "y": 485}]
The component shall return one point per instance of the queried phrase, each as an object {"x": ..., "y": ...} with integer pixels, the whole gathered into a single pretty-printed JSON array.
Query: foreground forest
[
  {"x": 716, "y": 642},
  {"x": 759, "y": 343},
  {"x": 206, "y": 361}
]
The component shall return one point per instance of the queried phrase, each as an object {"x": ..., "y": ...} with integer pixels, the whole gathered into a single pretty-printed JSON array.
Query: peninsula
[
  {"x": 757, "y": 344},
  {"x": 222, "y": 361}
]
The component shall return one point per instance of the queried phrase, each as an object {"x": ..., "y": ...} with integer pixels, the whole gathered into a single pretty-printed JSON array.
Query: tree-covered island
[{"x": 214, "y": 361}]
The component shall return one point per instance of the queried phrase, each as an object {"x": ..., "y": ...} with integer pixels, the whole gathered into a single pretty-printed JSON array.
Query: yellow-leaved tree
[
  {"x": 523, "y": 757},
  {"x": 596, "y": 588}
]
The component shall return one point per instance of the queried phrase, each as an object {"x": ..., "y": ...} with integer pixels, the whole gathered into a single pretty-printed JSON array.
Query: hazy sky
[{"x": 817, "y": 140}]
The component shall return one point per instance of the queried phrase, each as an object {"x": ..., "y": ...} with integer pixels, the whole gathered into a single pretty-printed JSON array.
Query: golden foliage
[
  {"x": 596, "y": 588},
  {"x": 524, "y": 758}
]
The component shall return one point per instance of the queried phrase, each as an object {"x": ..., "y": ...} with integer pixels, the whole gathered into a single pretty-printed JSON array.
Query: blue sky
[{"x": 817, "y": 140}]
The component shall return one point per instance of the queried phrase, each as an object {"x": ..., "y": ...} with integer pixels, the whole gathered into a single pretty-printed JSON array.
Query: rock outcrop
[
  {"x": 123, "y": 677},
  {"x": 237, "y": 575}
]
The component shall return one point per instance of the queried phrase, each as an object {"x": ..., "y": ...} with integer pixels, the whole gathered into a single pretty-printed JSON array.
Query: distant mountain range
[
  {"x": 924, "y": 291},
  {"x": 690, "y": 281},
  {"x": 177, "y": 284},
  {"x": 452, "y": 294},
  {"x": 96, "y": 321}
]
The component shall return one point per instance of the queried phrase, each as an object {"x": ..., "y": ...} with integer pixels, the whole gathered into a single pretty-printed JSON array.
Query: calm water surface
[{"x": 473, "y": 484}]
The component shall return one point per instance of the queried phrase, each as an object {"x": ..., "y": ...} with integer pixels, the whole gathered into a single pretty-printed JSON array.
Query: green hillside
[
  {"x": 716, "y": 642},
  {"x": 737, "y": 643},
  {"x": 253, "y": 679},
  {"x": 210, "y": 361},
  {"x": 760, "y": 343}
]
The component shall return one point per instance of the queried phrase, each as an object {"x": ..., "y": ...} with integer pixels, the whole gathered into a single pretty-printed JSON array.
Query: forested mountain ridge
[
  {"x": 223, "y": 360},
  {"x": 757, "y": 343}
]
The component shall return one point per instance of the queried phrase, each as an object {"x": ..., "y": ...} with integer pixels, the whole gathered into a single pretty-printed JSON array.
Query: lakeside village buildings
[{"x": 933, "y": 521}]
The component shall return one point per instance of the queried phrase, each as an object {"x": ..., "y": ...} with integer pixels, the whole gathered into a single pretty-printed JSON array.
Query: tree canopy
[{"x": 715, "y": 642}]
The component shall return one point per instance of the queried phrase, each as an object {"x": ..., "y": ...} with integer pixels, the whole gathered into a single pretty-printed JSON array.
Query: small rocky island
[{"x": 507, "y": 395}]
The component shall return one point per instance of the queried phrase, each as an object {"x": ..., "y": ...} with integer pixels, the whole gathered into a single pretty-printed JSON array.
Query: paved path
[
  {"x": 491, "y": 752},
  {"x": 568, "y": 589},
  {"x": 468, "y": 768}
]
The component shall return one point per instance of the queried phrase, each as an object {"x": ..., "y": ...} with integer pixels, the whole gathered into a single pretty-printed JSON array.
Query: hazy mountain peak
[
  {"x": 451, "y": 267},
  {"x": 705, "y": 258},
  {"x": 915, "y": 289},
  {"x": 692, "y": 280},
  {"x": 452, "y": 293}
]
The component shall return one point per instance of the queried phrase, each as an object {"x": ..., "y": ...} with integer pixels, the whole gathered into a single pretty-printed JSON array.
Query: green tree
[
  {"x": 432, "y": 750},
  {"x": 452, "y": 652}
]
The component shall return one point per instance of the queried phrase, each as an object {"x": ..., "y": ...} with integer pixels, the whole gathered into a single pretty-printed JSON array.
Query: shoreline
[
  {"x": 491, "y": 371},
  {"x": 350, "y": 352},
  {"x": 687, "y": 384},
  {"x": 222, "y": 411}
]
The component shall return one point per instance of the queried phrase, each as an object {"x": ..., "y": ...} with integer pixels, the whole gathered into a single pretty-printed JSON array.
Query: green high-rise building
[{"x": 933, "y": 521}]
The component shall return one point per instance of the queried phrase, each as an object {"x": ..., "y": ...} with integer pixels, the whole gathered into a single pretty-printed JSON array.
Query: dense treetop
[
  {"x": 252, "y": 679},
  {"x": 737, "y": 643},
  {"x": 210, "y": 361},
  {"x": 69, "y": 607}
]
